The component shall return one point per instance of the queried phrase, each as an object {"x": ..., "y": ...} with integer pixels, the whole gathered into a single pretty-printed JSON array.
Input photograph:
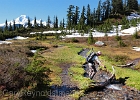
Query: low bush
[
  {"x": 74, "y": 40},
  {"x": 13, "y": 61},
  {"x": 117, "y": 58},
  {"x": 121, "y": 43}
]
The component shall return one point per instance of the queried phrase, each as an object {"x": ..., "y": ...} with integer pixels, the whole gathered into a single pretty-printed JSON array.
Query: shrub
[
  {"x": 118, "y": 38},
  {"x": 121, "y": 43},
  {"x": 90, "y": 39},
  {"x": 117, "y": 58},
  {"x": 12, "y": 74},
  {"x": 38, "y": 75},
  {"x": 74, "y": 40},
  {"x": 135, "y": 35}
]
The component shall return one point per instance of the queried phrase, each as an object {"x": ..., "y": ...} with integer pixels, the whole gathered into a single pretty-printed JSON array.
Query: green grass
[
  {"x": 77, "y": 73},
  {"x": 133, "y": 75},
  {"x": 68, "y": 54},
  {"x": 77, "y": 76}
]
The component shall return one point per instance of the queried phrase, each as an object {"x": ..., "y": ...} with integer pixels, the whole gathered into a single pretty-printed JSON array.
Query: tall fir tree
[
  {"x": 41, "y": 25},
  {"x": 29, "y": 23},
  {"x": 117, "y": 6},
  {"x": 94, "y": 18},
  {"x": 35, "y": 23},
  {"x": 108, "y": 9},
  {"x": 14, "y": 25},
  {"x": 132, "y": 4},
  {"x": 63, "y": 23},
  {"x": 10, "y": 27},
  {"x": 6, "y": 26},
  {"x": 90, "y": 38},
  {"x": 56, "y": 22},
  {"x": 98, "y": 11},
  {"x": 70, "y": 16},
  {"x": 48, "y": 22},
  {"x": 88, "y": 21},
  {"x": 125, "y": 5},
  {"x": 82, "y": 19},
  {"x": 76, "y": 16}
]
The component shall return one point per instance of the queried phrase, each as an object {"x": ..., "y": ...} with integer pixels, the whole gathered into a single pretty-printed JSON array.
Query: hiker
[{"x": 93, "y": 63}]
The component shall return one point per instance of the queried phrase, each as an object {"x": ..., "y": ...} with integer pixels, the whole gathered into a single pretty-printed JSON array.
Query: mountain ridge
[{"x": 23, "y": 20}]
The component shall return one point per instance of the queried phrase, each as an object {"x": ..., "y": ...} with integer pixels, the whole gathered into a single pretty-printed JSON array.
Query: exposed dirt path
[{"x": 67, "y": 87}]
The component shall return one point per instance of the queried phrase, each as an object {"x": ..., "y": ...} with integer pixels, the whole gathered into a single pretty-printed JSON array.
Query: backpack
[{"x": 90, "y": 56}]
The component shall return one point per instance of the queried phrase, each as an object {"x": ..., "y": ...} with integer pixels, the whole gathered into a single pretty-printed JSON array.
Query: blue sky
[{"x": 11, "y": 9}]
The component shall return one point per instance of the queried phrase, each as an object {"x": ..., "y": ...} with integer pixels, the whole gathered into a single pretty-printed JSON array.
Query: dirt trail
[{"x": 67, "y": 87}]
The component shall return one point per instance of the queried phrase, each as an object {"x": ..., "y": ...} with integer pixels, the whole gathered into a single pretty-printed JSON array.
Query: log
[{"x": 127, "y": 65}]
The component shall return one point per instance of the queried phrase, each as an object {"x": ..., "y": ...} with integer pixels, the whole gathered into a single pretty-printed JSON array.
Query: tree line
[
  {"x": 105, "y": 10},
  {"x": 86, "y": 19}
]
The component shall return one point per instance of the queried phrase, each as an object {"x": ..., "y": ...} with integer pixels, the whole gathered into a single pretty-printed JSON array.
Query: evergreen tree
[
  {"x": 107, "y": 9},
  {"x": 70, "y": 16},
  {"x": 90, "y": 39},
  {"x": 138, "y": 7},
  {"x": 1, "y": 30},
  {"x": 35, "y": 23},
  {"x": 14, "y": 25},
  {"x": 63, "y": 23},
  {"x": 82, "y": 19},
  {"x": 41, "y": 25},
  {"x": 135, "y": 35},
  {"x": 6, "y": 26},
  {"x": 10, "y": 27},
  {"x": 132, "y": 4},
  {"x": 98, "y": 11},
  {"x": 94, "y": 18},
  {"x": 48, "y": 22},
  {"x": 29, "y": 24},
  {"x": 88, "y": 23},
  {"x": 76, "y": 16},
  {"x": 125, "y": 5},
  {"x": 55, "y": 22},
  {"x": 117, "y": 6}
]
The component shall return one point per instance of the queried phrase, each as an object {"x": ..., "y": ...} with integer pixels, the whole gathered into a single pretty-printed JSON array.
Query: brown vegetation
[{"x": 13, "y": 60}]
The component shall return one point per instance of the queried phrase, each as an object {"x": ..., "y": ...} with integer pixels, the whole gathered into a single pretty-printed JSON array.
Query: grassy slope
[
  {"x": 133, "y": 75},
  {"x": 67, "y": 54}
]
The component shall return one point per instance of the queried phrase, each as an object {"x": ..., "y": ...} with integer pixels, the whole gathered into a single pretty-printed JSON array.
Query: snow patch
[
  {"x": 136, "y": 48},
  {"x": 5, "y": 42},
  {"x": 33, "y": 51},
  {"x": 18, "y": 38}
]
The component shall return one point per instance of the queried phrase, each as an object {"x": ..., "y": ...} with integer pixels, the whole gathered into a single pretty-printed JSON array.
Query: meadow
[{"x": 56, "y": 53}]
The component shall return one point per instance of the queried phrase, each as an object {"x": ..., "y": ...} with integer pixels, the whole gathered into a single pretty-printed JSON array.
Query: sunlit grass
[
  {"x": 65, "y": 54},
  {"x": 68, "y": 54},
  {"x": 133, "y": 75},
  {"x": 77, "y": 74},
  {"x": 55, "y": 75}
]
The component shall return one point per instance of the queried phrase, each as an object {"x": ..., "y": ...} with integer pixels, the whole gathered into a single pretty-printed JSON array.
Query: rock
[{"x": 99, "y": 43}]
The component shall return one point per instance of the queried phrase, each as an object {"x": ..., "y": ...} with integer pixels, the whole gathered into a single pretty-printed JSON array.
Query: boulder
[{"x": 99, "y": 43}]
